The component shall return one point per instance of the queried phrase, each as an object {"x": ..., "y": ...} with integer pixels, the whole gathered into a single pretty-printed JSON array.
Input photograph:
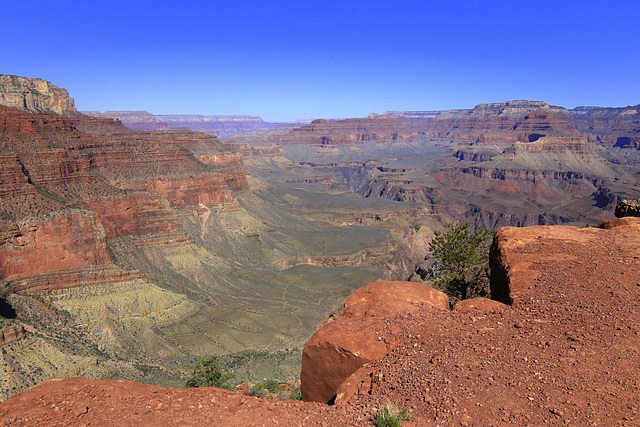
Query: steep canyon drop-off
[
  {"x": 132, "y": 254},
  {"x": 128, "y": 254}
]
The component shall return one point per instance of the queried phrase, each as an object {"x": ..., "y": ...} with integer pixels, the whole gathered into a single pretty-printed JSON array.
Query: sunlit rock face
[
  {"x": 342, "y": 346},
  {"x": 35, "y": 95}
]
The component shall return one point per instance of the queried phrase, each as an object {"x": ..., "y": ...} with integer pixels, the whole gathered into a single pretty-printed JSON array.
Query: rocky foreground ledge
[{"x": 564, "y": 353}]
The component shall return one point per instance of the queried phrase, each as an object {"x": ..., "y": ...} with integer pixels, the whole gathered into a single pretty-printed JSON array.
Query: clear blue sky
[{"x": 287, "y": 60}]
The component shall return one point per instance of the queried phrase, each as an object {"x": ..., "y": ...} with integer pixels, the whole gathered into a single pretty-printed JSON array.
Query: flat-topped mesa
[
  {"x": 180, "y": 118},
  {"x": 211, "y": 124},
  {"x": 516, "y": 108},
  {"x": 136, "y": 120},
  {"x": 504, "y": 122},
  {"x": 346, "y": 131},
  {"x": 495, "y": 123},
  {"x": 35, "y": 95}
]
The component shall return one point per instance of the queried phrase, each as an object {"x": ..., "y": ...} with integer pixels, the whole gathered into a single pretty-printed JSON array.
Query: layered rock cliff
[
  {"x": 35, "y": 95},
  {"x": 512, "y": 163},
  {"x": 155, "y": 252},
  {"x": 615, "y": 127},
  {"x": 82, "y": 198},
  {"x": 223, "y": 126},
  {"x": 328, "y": 132}
]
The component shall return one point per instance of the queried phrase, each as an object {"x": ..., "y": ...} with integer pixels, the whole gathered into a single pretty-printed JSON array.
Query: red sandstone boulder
[
  {"x": 517, "y": 253},
  {"x": 359, "y": 335},
  {"x": 478, "y": 304},
  {"x": 384, "y": 298}
]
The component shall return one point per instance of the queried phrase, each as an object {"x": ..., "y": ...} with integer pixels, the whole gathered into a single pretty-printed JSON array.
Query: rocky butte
[{"x": 505, "y": 164}]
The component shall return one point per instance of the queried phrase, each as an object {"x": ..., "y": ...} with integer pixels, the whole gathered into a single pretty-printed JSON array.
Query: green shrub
[
  {"x": 461, "y": 260},
  {"x": 266, "y": 389},
  {"x": 296, "y": 394},
  {"x": 209, "y": 373},
  {"x": 272, "y": 386},
  {"x": 391, "y": 416},
  {"x": 258, "y": 391}
]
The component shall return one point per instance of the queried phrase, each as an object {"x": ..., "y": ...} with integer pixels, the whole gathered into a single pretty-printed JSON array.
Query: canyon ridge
[{"x": 131, "y": 254}]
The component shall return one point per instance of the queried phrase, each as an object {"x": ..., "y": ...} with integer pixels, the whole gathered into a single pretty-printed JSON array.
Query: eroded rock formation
[
  {"x": 359, "y": 335},
  {"x": 35, "y": 95},
  {"x": 69, "y": 184}
]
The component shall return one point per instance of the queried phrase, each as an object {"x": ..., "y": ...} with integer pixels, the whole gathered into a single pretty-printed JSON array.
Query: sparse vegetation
[
  {"x": 257, "y": 391},
  {"x": 296, "y": 394},
  {"x": 461, "y": 258},
  {"x": 209, "y": 373},
  {"x": 391, "y": 416},
  {"x": 266, "y": 389}
]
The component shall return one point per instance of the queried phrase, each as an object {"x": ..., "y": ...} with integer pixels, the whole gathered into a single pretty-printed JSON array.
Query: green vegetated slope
[{"x": 252, "y": 283}]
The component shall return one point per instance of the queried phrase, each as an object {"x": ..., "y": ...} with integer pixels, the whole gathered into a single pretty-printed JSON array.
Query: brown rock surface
[
  {"x": 80, "y": 402},
  {"x": 564, "y": 354},
  {"x": 66, "y": 240},
  {"x": 479, "y": 304},
  {"x": 384, "y": 298},
  {"x": 359, "y": 335}
]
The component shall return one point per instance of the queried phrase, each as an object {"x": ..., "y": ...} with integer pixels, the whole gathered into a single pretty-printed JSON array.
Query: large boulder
[
  {"x": 479, "y": 304},
  {"x": 360, "y": 335},
  {"x": 517, "y": 254}
]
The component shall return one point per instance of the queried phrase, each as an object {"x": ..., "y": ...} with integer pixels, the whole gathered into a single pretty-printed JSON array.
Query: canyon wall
[
  {"x": 36, "y": 95},
  {"x": 223, "y": 126},
  {"x": 71, "y": 183}
]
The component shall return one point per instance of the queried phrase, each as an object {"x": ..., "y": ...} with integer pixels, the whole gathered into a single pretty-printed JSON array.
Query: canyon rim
[{"x": 131, "y": 254}]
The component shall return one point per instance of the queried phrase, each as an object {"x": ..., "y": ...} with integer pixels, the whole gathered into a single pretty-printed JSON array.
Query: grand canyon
[{"x": 134, "y": 245}]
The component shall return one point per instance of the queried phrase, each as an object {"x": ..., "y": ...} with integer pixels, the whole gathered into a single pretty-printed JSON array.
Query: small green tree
[
  {"x": 461, "y": 259},
  {"x": 209, "y": 373}
]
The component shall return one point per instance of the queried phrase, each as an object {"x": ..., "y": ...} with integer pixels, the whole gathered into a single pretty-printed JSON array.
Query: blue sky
[{"x": 286, "y": 60}]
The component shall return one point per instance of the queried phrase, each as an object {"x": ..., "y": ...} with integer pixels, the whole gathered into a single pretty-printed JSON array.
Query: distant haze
[{"x": 288, "y": 60}]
